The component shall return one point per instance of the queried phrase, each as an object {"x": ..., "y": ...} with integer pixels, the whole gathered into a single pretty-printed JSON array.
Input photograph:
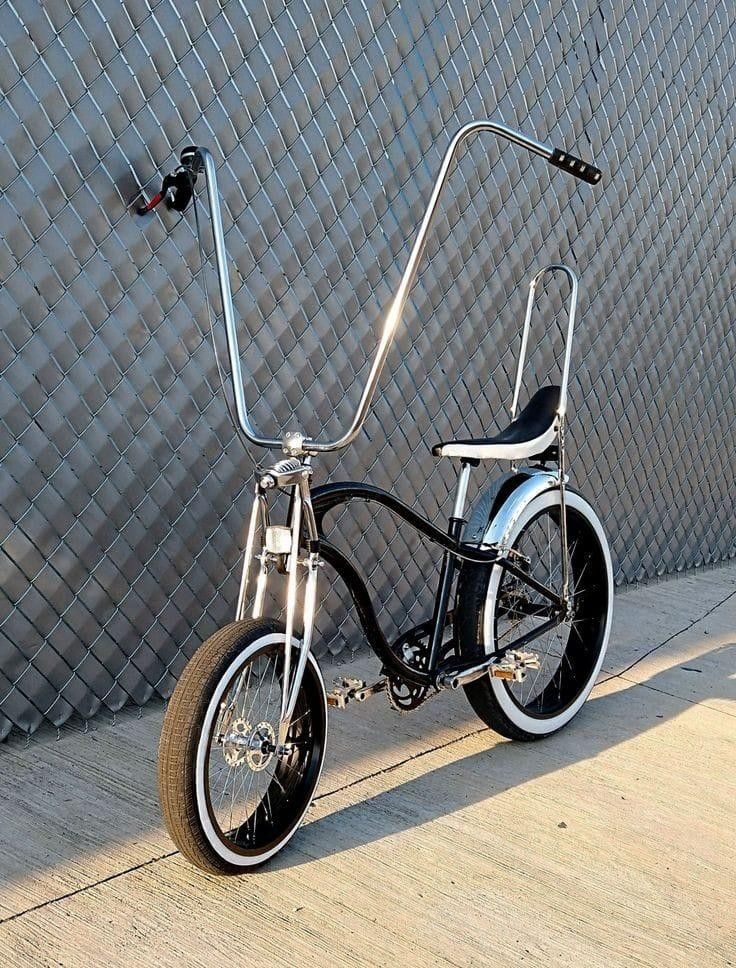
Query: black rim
[
  {"x": 569, "y": 652},
  {"x": 255, "y": 801}
]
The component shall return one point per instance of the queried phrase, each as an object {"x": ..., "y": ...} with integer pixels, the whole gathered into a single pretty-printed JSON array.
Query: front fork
[{"x": 277, "y": 543}]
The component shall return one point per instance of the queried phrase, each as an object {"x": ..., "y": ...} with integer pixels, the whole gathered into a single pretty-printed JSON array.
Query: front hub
[
  {"x": 254, "y": 745},
  {"x": 262, "y": 747}
]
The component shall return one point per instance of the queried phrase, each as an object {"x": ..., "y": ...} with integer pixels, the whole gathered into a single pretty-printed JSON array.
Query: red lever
[
  {"x": 149, "y": 206},
  {"x": 176, "y": 191}
]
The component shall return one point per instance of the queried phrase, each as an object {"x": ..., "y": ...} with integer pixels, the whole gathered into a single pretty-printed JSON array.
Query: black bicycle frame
[{"x": 327, "y": 497}]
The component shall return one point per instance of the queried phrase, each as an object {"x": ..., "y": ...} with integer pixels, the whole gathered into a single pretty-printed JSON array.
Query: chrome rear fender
[{"x": 496, "y": 511}]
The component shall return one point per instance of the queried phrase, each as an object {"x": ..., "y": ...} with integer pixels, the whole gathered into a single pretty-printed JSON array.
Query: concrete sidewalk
[{"x": 432, "y": 841}]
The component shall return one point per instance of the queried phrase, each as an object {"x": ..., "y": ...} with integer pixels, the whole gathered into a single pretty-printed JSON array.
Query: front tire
[
  {"x": 230, "y": 801},
  {"x": 494, "y": 608}
]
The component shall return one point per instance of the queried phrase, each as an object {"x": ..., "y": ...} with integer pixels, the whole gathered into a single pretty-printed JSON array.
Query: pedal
[
  {"x": 514, "y": 665},
  {"x": 352, "y": 690}
]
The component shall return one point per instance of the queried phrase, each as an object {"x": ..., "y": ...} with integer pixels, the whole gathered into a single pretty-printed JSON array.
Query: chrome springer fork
[{"x": 282, "y": 542}]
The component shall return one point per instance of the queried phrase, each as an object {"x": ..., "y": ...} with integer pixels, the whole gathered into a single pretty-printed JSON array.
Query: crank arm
[
  {"x": 458, "y": 676},
  {"x": 354, "y": 690}
]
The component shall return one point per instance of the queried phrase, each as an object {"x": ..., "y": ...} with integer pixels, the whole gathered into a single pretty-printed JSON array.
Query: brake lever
[{"x": 176, "y": 192}]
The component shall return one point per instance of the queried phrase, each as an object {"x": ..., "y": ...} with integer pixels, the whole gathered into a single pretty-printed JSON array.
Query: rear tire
[
  {"x": 229, "y": 802},
  {"x": 493, "y": 609}
]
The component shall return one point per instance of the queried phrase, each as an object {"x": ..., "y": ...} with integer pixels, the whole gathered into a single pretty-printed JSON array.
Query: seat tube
[{"x": 449, "y": 566}]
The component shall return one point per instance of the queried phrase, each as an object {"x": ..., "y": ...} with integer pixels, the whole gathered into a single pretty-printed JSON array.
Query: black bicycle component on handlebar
[
  {"x": 574, "y": 166},
  {"x": 178, "y": 186}
]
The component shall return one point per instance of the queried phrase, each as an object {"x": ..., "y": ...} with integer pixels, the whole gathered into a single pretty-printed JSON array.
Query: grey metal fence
[{"x": 123, "y": 489}]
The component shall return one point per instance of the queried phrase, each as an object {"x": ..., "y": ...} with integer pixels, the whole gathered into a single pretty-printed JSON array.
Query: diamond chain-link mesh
[{"x": 124, "y": 489}]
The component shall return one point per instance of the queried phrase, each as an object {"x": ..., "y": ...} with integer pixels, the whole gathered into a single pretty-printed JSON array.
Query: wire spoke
[
  {"x": 248, "y": 782},
  {"x": 558, "y": 649}
]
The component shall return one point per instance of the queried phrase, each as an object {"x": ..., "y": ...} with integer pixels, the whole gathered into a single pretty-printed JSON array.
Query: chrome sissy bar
[{"x": 562, "y": 405}]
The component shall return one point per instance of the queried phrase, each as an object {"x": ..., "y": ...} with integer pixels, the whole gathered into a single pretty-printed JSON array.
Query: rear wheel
[
  {"x": 230, "y": 797},
  {"x": 495, "y": 608}
]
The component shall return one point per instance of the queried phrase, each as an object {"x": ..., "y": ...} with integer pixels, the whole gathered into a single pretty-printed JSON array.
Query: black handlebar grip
[{"x": 574, "y": 166}]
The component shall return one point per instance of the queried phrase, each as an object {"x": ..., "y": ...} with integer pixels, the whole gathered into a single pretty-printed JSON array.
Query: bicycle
[{"x": 243, "y": 739}]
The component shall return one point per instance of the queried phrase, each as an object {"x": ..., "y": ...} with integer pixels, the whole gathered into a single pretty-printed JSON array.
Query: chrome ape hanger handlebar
[{"x": 195, "y": 160}]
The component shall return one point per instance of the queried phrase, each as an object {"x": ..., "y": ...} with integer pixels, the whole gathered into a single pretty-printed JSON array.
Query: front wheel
[
  {"x": 230, "y": 797},
  {"x": 495, "y": 609}
]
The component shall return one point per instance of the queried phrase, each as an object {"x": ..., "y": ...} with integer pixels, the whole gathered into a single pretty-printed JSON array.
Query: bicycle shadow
[{"x": 616, "y": 714}]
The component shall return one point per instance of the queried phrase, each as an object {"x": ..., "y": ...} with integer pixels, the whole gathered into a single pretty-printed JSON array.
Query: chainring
[{"x": 406, "y": 696}]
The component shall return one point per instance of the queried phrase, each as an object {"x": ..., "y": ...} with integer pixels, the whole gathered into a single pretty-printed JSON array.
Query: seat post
[
  {"x": 461, "y": 493},
  {"x": 449, "y": 564}
]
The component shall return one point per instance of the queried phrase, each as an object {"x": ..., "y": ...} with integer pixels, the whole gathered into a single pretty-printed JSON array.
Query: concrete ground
[{"x": 432, "y": 841}]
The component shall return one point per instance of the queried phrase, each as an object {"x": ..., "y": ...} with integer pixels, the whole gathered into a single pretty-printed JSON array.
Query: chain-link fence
[{"x": 123, "y": 489}]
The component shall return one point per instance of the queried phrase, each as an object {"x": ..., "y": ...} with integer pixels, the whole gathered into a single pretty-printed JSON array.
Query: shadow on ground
[
  {"x": 65, "y": 804},
  {"x": 606, "y": 721}
]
